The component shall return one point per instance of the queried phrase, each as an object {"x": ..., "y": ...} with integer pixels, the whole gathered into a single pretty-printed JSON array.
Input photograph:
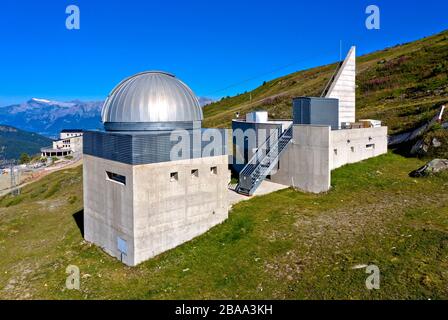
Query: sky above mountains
[{"x": 218, "y": 48}]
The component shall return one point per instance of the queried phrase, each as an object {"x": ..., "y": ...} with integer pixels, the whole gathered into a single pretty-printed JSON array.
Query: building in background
[{"x": 69, "y": 143}]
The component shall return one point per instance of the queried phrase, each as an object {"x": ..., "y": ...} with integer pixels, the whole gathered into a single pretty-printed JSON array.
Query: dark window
[
  {"x": 116, "y": 177},
  {"x": 195, "y": 173},
  {"x": 174, "y": 176},
  {"x": 370, "y": 146},
  {"x": 214, "y": 170}
]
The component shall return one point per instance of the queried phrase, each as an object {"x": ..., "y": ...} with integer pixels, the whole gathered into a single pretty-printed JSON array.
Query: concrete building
[
  {"x": 322, "y": 136},
  {"x": 69, "y": 143},
  {"x": 149, "y": 202}
]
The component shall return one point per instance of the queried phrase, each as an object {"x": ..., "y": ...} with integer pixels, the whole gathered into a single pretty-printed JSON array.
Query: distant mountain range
[
  {"x": 48, "y": 118},
  {"x": 14, "y": 142}
]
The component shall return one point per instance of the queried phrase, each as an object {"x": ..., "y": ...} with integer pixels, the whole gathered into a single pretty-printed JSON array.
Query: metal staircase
[{"x": 264, "y": 160}]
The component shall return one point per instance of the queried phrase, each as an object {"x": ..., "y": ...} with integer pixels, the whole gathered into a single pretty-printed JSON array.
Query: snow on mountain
[{"x": 48, "y": 117}]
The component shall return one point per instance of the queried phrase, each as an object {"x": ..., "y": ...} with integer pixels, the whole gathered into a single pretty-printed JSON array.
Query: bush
[{"x": 24, "y": 158}]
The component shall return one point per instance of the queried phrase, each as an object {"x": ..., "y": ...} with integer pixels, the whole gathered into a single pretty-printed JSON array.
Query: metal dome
[{"x": 151, "y": 100}]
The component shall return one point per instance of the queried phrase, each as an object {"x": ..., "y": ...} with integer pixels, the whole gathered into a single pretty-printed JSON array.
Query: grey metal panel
[
  {"x": 151, "y": 96},
  {"x": 148, "y": 126},
  {"x": 132, "y": 148},
  {"x": 316, "y": 111},
  {"x": 244, "y": 126}
]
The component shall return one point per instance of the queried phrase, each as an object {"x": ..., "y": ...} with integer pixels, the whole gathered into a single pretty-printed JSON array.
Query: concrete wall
[
  {"x": 354, "y": 145},
  {"x": 316, "y": 150},
  {"x": 71, "y": 143},
  {"x": 168, "y": 213},
  {"x": 306, "y": 162},
  {"x": 108, "y": 206},
  {"x": 152, "y": 212},
  {"x": 344, "y": 88}
]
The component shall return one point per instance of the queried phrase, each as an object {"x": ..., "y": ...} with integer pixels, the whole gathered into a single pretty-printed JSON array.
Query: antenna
[{"x": 340, "y": 50}]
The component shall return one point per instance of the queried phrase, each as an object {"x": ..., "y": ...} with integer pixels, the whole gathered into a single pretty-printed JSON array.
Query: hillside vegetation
[
  {"x": 402, "y": 86},
  {"x": 18, "y": 141},
  {"x": 286, "y": 245}
]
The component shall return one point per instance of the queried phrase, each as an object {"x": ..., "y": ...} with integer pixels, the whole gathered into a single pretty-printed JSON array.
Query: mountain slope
[
  {"x": 18, "y": 141},
  {"x": 285, "y": 245},
  {"x": 50, "y": 117},
  {"x": 402, "y": 86}
]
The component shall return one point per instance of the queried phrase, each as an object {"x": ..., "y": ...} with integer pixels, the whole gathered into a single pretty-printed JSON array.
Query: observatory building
[
  {"x": 140, "y": 197},
  {"x": 322, "y": 136}
]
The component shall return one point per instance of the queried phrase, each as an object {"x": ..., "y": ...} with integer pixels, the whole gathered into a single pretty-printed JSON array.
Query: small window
[
  {"x": 336, "y": 152},
  {"x": 174, "y": 176},
  {"x": 116, "y": 177},
  {"x": 370, "y": 146},
  {"x": 353, "y": 149},
  {"x": 214, "y": 170},
  {"x": 194, "y": 173}
]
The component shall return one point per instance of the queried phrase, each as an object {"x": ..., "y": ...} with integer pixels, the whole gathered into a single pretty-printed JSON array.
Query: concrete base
[
  {"x": 306, "y": 162},
  {"x": 316, "y": 150},
  {"x": 159, "y": 207}
]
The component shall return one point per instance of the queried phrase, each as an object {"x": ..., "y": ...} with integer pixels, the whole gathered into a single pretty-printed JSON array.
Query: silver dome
[{"x": 151, "y": 100}]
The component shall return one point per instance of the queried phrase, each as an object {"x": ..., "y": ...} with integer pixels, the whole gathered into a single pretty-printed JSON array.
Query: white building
[{"x": 69, "y": 143}]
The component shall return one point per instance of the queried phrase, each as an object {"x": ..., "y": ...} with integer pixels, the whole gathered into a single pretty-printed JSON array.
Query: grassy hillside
[
  {"x": 403, "y": 86},
  {"x": 285, "y": 245},
  {"x": 18, "y": 141}
]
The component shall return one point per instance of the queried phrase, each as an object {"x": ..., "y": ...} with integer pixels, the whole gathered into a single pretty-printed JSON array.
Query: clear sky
[{"x": 214, "y": 46}]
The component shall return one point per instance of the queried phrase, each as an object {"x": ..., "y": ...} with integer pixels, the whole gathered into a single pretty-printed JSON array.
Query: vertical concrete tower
[
  {"x": 343, "y": 88},
  {"x": 138, "y": 200}
]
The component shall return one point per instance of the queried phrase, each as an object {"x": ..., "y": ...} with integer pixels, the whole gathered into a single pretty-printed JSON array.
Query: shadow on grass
[{"x": 79, "y": 219}]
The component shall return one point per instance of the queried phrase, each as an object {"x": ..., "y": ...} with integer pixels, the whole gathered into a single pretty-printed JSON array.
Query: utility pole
[{"x": 14, "y": 179}]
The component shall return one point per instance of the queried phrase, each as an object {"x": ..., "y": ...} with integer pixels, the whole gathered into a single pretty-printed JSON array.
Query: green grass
[
  {"x": 402, "y": 86},
  {"x": 286, "y": 245}
]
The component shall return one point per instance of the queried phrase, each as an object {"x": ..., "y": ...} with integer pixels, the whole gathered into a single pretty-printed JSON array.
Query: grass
[
  {"x": 286, "y": 245},
  {"x": 402, "y": 86}
]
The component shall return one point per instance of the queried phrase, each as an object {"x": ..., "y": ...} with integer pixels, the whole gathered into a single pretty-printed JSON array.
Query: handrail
[
  {"x": 328, "y": 85},
  {"x": 252, "y": 161},
  {"x": 274, "y": 148}
]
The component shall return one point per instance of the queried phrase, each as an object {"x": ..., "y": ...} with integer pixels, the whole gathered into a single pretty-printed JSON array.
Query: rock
[
  {"x": 436, "y": 143},
  {"x": 435, "y": 166},
  {"x": 420, "y": 148}
]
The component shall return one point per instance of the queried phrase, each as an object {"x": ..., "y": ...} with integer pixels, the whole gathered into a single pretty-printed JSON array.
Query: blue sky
[{"x": 213, "y": 46}]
